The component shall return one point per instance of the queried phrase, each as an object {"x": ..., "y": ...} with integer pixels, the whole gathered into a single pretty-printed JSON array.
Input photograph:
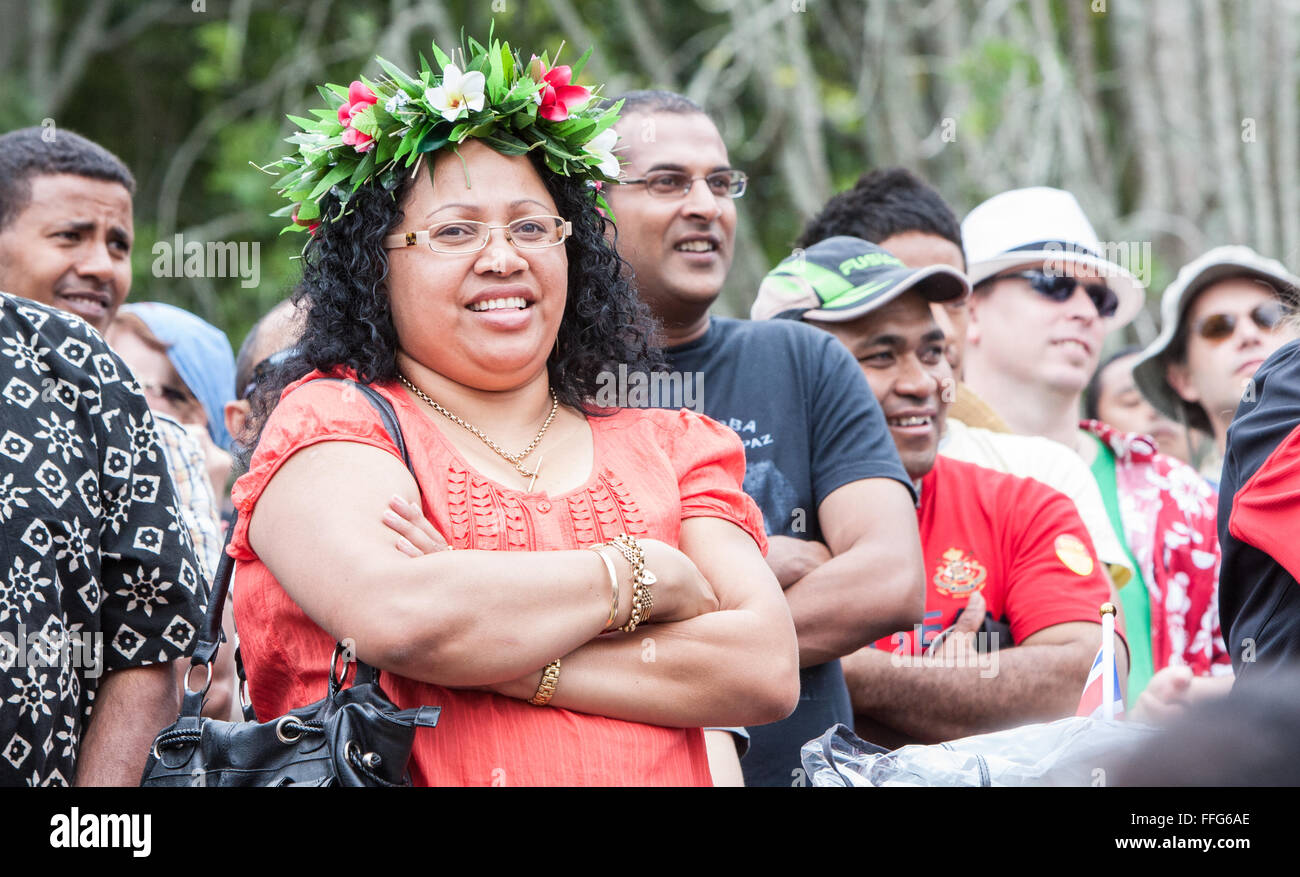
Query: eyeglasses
[
  {"x": 463, "y": 236},
  {"x": 1220, "y": 327},
  {"x": 1059, "y": 288},
  {"x": 675, "y": 184},
  {"x": 174, "y": 395},
  {"x": 263, "y": 369}
]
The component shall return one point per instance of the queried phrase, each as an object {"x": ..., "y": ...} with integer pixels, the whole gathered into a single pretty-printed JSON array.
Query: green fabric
[{"x": 1133, "y": 596}]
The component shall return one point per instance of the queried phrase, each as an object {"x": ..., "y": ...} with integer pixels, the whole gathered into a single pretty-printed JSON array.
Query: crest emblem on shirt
[{"x": 959, "y": 574}]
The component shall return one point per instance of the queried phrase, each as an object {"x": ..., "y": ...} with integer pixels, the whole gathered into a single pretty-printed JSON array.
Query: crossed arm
[
  {"x": 1039, "y": 680},
  {"x": 494, "y": 619},
  {"x": 865, "y": 583}
]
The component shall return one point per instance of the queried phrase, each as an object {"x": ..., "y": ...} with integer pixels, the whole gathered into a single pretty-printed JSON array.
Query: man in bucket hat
[
  {"x": 1012, "y": 581},
  {"x": 1044, "y": 299},
  {"x": 1221, "y": 318}
]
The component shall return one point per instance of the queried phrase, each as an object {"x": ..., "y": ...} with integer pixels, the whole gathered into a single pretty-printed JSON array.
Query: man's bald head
[{"x": 279, "y": 328}]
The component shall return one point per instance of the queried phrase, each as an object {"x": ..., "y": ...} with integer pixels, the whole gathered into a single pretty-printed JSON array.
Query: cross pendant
[{"x": 533, "y": 479}]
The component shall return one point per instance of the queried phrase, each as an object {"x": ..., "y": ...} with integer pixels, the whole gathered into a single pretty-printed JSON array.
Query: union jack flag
[{"x": 1091, "y": 703}]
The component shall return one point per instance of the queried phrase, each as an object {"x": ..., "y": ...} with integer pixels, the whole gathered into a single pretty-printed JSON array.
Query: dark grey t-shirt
[{"x": 810, "y": 425}]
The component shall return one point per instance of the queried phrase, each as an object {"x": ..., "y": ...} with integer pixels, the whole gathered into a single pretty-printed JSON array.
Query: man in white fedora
[
  {"x": 1222, "y": 317},
  {"x": 1044, "y": 298}
]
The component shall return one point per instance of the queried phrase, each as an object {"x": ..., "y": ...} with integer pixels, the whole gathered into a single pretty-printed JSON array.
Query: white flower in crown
[
  {"x": 458, "y": 92},
  {"x": 602, "y": 147}
]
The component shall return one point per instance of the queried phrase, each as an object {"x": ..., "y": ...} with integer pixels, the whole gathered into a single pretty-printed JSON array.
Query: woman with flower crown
[{"x": 580, "y": 589}]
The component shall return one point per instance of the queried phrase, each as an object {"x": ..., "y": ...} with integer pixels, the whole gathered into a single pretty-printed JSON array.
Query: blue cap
[{"x": 201, "y": 355}]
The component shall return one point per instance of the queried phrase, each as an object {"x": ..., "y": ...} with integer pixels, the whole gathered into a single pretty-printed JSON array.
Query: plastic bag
[{"x": 1077, "y": 751}]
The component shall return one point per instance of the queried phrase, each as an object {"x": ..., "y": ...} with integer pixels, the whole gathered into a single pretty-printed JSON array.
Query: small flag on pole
[{"x": 1095, "y": 703}]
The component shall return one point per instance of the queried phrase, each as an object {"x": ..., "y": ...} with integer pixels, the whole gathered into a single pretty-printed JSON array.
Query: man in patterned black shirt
[{"x": 99, "y": 584}]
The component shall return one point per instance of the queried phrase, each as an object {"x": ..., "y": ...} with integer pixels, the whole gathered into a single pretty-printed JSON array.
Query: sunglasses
[
  {"x": 1059, "y": 288},
  {"x": 263, "y": 369},
  {"x": 174, "y": 395},
  {"x": 1220, "y": 327}
]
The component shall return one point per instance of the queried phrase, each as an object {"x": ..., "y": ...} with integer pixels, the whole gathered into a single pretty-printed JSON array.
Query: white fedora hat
[
  {"x": 1219, "y": 263},
  {"x": 1040, "y": 224}
]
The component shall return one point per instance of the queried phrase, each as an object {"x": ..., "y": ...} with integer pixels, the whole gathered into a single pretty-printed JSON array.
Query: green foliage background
[{"x": 1138, "y": 107}]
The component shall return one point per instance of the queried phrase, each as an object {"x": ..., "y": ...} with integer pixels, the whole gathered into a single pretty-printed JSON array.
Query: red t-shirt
[
  {"x": 1017, "y": 541},
  {"x": 652, "y": 469}
]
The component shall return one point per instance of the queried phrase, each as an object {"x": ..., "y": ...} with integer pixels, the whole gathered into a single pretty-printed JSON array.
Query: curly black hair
[{"x": 349, "y": 321}]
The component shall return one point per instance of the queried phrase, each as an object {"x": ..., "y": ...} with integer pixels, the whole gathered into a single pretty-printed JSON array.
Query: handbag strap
[{"x": 209, "y": 641}]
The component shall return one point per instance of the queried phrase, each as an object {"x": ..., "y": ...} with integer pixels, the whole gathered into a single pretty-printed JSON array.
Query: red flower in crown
[
  {"x": 359, "y": 97},
  {"x": 557, "y": 97}
]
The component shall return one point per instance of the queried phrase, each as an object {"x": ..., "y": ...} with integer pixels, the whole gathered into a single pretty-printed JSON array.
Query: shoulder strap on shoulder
[{"x": 209, "y": 641}]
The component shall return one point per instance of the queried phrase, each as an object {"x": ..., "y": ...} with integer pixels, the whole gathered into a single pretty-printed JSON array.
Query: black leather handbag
[{"x": 356, "y": 736}]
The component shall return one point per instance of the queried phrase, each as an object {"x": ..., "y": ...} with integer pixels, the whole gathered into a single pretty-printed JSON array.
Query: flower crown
[{"x": 373, "y": 130}]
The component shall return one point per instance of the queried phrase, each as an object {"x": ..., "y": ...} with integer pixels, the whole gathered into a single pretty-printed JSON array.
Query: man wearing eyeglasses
[
  {"x": 820, "y": 462},
  {"x": 1222, "y": 317},
  {"x": 1044, "y": 298}
]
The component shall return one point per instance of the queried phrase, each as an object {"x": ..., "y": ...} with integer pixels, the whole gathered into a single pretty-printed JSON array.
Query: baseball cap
[
  {"x": 1218, "y": 264},
  {"x": 1041, "y": 224},
  {"x": 201, "y": 355},
  {"x": 841, "y": 278}
]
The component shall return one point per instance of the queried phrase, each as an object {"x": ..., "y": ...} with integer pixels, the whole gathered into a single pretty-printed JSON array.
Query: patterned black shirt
[{"x": 96, "y": 572}]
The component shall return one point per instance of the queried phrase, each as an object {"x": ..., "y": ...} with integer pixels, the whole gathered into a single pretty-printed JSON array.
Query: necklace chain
[{"x": 515, "y": 460}]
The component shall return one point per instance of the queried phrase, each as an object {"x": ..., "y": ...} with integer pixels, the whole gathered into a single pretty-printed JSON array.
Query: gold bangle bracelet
[
  {"x": 613, "y": 584},
  {"x": 642, "y": 579},
  {"x": 546, "y": 688}
]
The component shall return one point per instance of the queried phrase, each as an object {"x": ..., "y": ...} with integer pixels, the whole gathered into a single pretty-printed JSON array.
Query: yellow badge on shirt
[{"x": 1074, "y": 554}]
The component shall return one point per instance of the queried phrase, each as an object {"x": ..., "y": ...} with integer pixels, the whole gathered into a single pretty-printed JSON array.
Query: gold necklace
[{"x": 515, "y": 460}]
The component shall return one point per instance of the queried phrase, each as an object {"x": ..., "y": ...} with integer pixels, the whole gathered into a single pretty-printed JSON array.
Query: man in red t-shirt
[{"x": 1013, "y": 585}]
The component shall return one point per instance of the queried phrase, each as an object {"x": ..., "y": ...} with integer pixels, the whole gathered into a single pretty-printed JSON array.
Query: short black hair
[
  {"x": 655, "y": 101},
  {"x": 1092, "y": 392},
  {"x": 881, "y": 204},
  {"x": 31, "y": 152}
]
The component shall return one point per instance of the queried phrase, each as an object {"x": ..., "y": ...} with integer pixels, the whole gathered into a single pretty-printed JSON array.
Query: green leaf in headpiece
[
  {"x": 438, "y": 56},
  {"x": 363, "y": 170},
  {"x": 506, "y": 144},
  {"x": 576, "y": 67},
  {"x": 409, "y": 85},
  {"x": 336, "y": 173}
]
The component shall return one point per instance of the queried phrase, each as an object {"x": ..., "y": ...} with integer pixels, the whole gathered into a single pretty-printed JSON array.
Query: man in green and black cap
[{"x": 1012, "y": 581}]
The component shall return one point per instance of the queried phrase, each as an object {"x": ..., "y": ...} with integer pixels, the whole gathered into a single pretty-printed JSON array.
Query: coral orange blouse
[{"x": 652, "y": 469}]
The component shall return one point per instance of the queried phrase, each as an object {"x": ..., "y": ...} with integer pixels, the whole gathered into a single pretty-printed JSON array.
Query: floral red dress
[
  {"x": 652, "y": 469},
  {"x": 1170, "y": 524}
]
